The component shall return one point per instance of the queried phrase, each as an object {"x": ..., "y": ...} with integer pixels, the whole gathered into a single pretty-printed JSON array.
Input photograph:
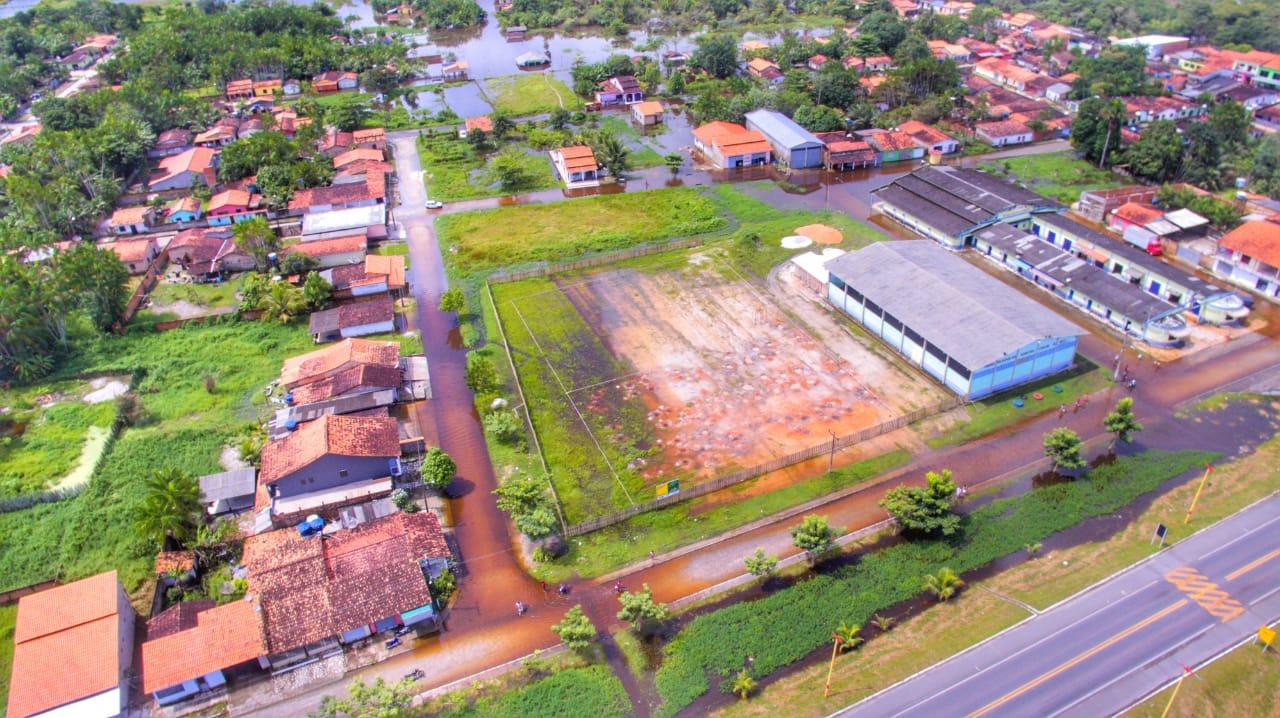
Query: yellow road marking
[
  {"x": 1252, "y": 565},
  {"x": 1207, "y": 594},
  {"x": 1080, "y": 658}
]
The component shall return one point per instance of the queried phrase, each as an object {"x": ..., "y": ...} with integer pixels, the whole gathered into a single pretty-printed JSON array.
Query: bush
[
  {"x": 718, "y": 643},
  {"x": 443, "y": 586},
  {"x": 438, "y": 469},
  {"x": 470, "y": 335},
  {"x": 481, "y": 376},
  {"x": 505, "y": 426}
]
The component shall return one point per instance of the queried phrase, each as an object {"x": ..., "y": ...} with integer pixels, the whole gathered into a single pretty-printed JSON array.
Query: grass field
[
  {"x": 394, "y": 249},
  {"x": 454, "y": 171},
  {"x": 997, "y": 412},
  {"x": 1245, "y": 682},
  {"x": 1060, "y": 176},
  {"x": 483, "y": 241},
  {"x": 179, "y": 423},
  {"x": 530, "y": 94},
  {"x": 975, "y": 614},
  {"x": 41, "y": 444}
]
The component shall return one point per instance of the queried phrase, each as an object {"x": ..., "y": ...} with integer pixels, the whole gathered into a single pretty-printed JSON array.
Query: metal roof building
[
  {"x": 791, "y": 142},
  {"x": 965, "y": 328}
]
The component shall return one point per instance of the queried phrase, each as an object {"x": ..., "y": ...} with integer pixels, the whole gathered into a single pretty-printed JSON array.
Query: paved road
[{"x": 1100, "y": 652}]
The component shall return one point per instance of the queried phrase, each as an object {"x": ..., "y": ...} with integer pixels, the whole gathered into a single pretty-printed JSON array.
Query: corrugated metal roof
[
  {"x": 782, "y": 129},
  {"x": 973, "y": 317}
]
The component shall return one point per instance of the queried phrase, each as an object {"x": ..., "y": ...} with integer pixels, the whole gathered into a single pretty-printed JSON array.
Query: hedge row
[{"x": 783, "y": 628}]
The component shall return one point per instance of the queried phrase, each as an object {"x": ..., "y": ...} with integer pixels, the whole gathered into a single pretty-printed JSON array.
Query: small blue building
[{"x": 968, "y": 330}]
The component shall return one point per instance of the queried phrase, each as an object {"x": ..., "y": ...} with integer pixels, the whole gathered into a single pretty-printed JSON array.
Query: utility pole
[
  {"x": 1208, "y": 469},
  {"x": 1186, "y": 671},
  {"x": 835, "y": 647},
  {"x": 831, "y": 459}
]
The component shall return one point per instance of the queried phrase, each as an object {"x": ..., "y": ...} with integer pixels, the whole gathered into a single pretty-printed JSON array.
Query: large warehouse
[
  {"x": 964, "y": 328},
  {"x": 792, "y": 144}
]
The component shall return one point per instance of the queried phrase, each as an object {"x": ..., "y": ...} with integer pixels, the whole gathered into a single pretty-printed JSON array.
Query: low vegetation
[
  {"x": 592, "y": 690},
  {"x": 530, "y": 94},
  {"x": 42, "y": 442},
  {"x": 718, "y": 643},
  {"x": 456, "y": 170},
  {"x": 1060, "y": 176}
]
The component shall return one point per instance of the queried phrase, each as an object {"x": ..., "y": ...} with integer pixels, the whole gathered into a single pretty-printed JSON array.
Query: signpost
[
  {"x": 1267, "y": 635},
  {"x": 670, "y": 488},
  {"x": 1161, "y": 532}
]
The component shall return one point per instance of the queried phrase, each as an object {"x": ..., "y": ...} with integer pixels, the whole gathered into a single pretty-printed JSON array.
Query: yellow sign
[{"x": 1266, "y": 635}]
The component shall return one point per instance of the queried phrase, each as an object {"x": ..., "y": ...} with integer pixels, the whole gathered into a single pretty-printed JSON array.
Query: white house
[{"x": 1003, "y": 132}]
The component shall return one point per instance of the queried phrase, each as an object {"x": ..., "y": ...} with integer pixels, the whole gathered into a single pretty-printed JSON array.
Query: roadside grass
[
  {"x": 400, "y": 249},
  {"x": 632, "y": 652},
  {"x": 997, "y": 412},
  {"x": 483, "y": 241},
  {"x": 661, "y": 530},
  {"x": 530, "y": 94},
  {"x": 754, "y": 215},
  {"x": 8, "y": 617},
  {"x": 1060, "y": 175},
  {"x": 34, "y": 458},
  {"x": 713, "y": 646},
  {"x": 178, "y": 424},
  {"x": 1219, "y": 400},
  {"x": 1245, "y": 682},
  {"x": 453, "y": 170},
  {"x": 945, "y": 629},
  {"x": 539, "y": 692}
]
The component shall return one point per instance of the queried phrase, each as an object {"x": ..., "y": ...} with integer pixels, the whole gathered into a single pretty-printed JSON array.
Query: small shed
[{"x": 229, "y": 491}]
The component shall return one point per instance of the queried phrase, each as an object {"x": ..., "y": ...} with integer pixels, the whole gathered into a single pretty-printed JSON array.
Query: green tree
[
  {"x": 924, "y": 510},
  {"x": 453, "y": 301},
  {"x": 1121, "y": 422},
  {"x": 297, "y": 264},
  {"x": 170, "y": 508},
  {"x": 256, "y": 238},
  {"x": 282, "y": 302},
  {"x": 675, "y": 83},
  {"x": 502, "y": 125},
  {"x": 1231, "y": 122},
  {"x": 248, "y": 155},
  {"x": 716, "y": 54},
  {"x": 348, "y": 112},
  {"x": 613, "y": 154},
  {"x": 640, "y": 610},
  {"x": 575, "y": 629},
  {"x": 316, "y": 290},
  {"x": 674, "y": 161},
  {"x": 761, "y": 564},
  {"x": 846, "y": 636},
  {"x": 443, "y": 586},
  {"x": 813, "y": 535},
  {"x": 93, "y": 280},
  {"x": 819, "y": 118},
  {"x": 1157, "y": 155},
  {"x": 913, "y": 48},
  {"x": 510, "y": 170},
  {"x": 438, "y": 469},
  {"x": 743, "y": 684},
  {"x": 1063, "y": 447},
  {"x": 559, "y": 118},
  {"x": 944, "y": 584},
  {"x": 527, "y": 502},
  {"x": 885, "y": 28},
  {"x": 364, "y": 700},
  {"x": 1095, "y": 131},
  {"x": 505, "y": 426},
  {"x": 480, "y": 374}
]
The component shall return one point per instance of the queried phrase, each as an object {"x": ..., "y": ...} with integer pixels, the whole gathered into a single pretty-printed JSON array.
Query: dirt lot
[{"x": 729, "y": 379}]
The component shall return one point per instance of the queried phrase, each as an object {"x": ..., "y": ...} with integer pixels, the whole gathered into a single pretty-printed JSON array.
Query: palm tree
[
  {"x": 282, "y": 303},
  {"x": 884, "y": 623},
  {"x": 846, "y": 636},
  {"x": 169, "y": 507},
  {"x": 614, "y": 155},
  {"x": 211, "y": 541},
  {"x": 943, "y": 584},
  {"x": 743, "y": 684}
]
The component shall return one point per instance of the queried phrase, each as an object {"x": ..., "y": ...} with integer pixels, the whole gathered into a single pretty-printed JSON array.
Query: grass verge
[
  {"x": 718, "y": 643},
  {"x": 539, "y": 691},
  {"x": 41, "y": 442},
  {"x": 1245, "y": 682},
  {"x": 945, "y": 629}
]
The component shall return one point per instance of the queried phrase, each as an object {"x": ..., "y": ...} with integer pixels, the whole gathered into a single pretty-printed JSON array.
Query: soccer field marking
[{"x": 543, "y": 356}]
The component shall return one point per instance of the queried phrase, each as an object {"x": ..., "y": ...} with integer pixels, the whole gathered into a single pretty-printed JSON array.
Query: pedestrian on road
[
  {"x": 1062, "y": 410},
  {"x": 1133, "y": 384},
  {"x": 1156, "y": 364},
  {"x": 652, "y": 556},
  {"x": 544, "y": 587}
]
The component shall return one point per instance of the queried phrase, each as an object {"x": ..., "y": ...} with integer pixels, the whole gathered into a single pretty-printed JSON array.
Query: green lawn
[
  {"x": 1060, "y": 176},
  {"x": 212, "y": 295},
  {"x": 394, "y": 249},
  {"x": 997, "y": 412},
  {"x": 453, "y": 170},
  {"x": 178, "y": 423},
  {"x": 35, "y": 458},
  {"x": 530, "y": 94},
  {"x": 483, "y": 241},
  {"x": 8, "y": 616}
]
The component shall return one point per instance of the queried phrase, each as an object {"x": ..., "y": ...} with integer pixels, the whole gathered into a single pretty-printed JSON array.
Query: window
[
  {"x": 342, "y": 473},
  {"x": 892, "y": 321},
  {"x": 837, "y": 281},
  {"x": 958, "y": 368},
  {"x": 936, "y": 353},
  {"x": 913, "y": 336},
  {"x": 873, "y": 307},
  {"x": 854, "y": 294}
]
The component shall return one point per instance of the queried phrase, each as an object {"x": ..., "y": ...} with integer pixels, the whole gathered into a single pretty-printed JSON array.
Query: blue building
[
  {"x": 964, "y": 328},
  {"x": 792, "y": 144}
]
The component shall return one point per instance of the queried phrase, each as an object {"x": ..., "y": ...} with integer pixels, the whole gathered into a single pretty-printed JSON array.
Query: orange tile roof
[
  {"x": 390, "y": 265},
  {"x": 320, "y": 363},
  {"x": 373, "y": 134},
  {"x": 357, "y": 377},
  {"x": 336, "y": 435},
  {"x": 760, "y": 64},
  {"x": 482, "y": 122},
  {"x": 196, "y": 159},
  {"x": 921, "y": 131},
  {"x": 578, "y": 157},
  {"x": 1003, "y": 128},
  {"x": 892, "y": 140},
  {"x": 231, "y": 198},
  {"x": 223, "y": 637},
  {"x": 325, "y": 247},
  {"x": 1257, "y": 239},
  {"x": 1137, "y": 213},
  {"x": 71, "y": 632},
  {"x": 129, "y": 215},
  {"x": 130, "y": 250},
  {"x": 167, "y": 561},
  {"x": 649, "y": 107}
]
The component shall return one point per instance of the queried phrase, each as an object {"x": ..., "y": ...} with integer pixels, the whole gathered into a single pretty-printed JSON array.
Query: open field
[
  {"x": 683, "y": 371},
  {"x": 177, "y": 422},
  {"x": 975, "y": 614},
  {"x": 454, "y": 170},
  {"x": 483, "y": 241},
  {"x": 44, "y": 432},
  {"x": 530, "y": 94},
  {"x": 1059, "y": 176}
]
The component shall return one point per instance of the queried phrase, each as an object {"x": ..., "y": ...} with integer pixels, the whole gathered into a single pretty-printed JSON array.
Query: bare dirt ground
[{"x": 730, "y": 380}]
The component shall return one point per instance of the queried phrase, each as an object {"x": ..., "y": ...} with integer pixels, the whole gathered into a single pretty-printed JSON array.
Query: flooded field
[{"x": 689, "y": 371}]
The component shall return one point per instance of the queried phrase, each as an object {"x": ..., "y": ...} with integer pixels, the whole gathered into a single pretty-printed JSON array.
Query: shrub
[
  {"x": 443, "y": 586},
  {"x": 438, "y": 469},
  {"x": 505, "y": 426},
  {"x": 481, "y": 376}
]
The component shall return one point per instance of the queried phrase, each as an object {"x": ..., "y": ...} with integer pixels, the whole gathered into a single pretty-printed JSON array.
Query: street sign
[
  {"x": 667, "y": 489},
  {"x": 1267, "y": 635},
  {"x": 1161, "y": 532}
]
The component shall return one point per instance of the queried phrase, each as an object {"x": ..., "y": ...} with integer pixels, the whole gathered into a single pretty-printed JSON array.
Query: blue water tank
[
  {"x": 290, "y": 424},
  {"x": 288, "y": 398}
]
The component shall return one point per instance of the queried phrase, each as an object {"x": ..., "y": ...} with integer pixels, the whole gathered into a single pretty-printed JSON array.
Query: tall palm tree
[
  {"x": 282, "y": 303},
  {"x": 169, "y": 507},
  {"x": 846, "y": 635},
  {"x": 944, "y": 584},
  {"x": 743, "y": 684}
]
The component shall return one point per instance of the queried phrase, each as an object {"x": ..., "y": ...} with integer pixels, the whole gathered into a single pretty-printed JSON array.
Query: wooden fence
[
  {"x": 144, "y": 287},
  {"x": 827, "y": 447},
  {"x": 594, "y": 260}
]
